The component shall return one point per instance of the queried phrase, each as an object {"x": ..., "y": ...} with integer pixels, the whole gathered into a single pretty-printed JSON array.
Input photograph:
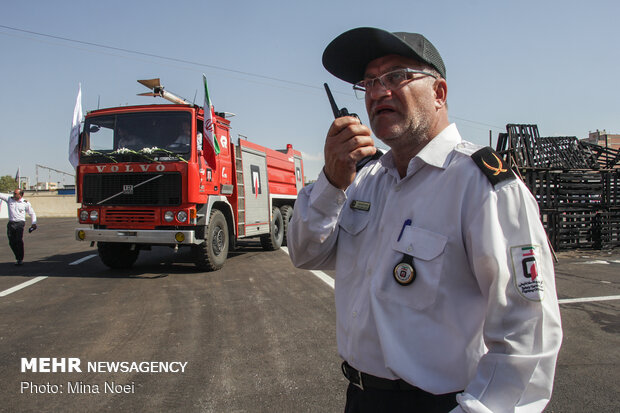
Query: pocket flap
[
  {"x": 420, "y": 243},
  {"x": 354, "y": 222}
]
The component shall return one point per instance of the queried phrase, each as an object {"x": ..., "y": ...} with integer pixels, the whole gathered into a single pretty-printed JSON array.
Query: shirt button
[
  {"x": 409, "y": 249},
  {"x": 354, "y": 314}
]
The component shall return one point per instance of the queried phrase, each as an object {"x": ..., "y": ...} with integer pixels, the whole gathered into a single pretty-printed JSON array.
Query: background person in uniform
[
  {"x": 445, "y": 290},
  {"x": 18, "y": 207}
]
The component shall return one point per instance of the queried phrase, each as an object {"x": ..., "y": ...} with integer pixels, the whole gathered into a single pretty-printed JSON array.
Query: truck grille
[
  {"x": 132, "y": 189},
  {"x": 128, "y": 216}
]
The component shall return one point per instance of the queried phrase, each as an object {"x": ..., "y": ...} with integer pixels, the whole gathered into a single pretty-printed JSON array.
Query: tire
[
  {"x": 117, "y": 255},
  {"x": 273, "y": 240},
  {"x": 287, "y": 214},
  {"x": 211, "y": 254}
]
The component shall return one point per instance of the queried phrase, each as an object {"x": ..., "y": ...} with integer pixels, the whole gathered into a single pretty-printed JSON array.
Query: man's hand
[
  {"x": 347, "y": 142},
  {"x": 32, "y": 227}
]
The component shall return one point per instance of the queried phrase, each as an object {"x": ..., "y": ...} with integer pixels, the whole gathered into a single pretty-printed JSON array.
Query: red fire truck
[{"x": 143, "y": 180}]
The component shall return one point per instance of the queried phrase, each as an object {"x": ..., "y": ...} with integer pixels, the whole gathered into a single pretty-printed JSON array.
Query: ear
[{"x": 441, "y": 93}]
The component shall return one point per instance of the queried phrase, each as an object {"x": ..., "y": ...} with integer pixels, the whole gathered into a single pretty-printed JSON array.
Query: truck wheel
[
  {"x": 211, "y": 254},
  {"x": 117, "y": 254},
  {"x": 287, "y": 214},
  {"x": 273, "y": 240}
]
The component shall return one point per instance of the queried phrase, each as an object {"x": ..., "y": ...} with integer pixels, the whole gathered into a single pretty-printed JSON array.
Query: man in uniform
[
  {"x": 18, "y": 207},
  {"x": 445, "y": 290}
]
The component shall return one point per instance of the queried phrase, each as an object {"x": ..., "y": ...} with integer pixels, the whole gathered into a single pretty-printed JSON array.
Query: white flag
[{"x": 74, "y": 138}]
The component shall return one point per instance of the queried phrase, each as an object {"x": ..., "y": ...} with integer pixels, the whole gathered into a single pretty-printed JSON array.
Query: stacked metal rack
[{"x": 576, "y": 185}]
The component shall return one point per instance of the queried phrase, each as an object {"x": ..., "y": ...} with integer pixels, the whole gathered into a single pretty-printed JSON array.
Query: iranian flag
[{"x": 209, "y": 128}]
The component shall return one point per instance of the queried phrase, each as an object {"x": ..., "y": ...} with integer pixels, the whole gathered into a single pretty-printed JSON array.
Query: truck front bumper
[{"x": 151, "y": 237}]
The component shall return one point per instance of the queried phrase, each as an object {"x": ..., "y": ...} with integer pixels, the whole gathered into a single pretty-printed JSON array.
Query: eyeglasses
[{"x": 391, "y": 81}]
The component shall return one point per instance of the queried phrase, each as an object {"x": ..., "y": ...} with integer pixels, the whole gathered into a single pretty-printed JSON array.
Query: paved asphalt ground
[{"x": 256, "y": 336}]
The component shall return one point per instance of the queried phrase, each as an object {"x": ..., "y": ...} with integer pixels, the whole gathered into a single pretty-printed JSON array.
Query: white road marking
[
  {"x": 41, "y": 278},
  {"x": 320, "y": 274},
  {"x": 22, "y": 285},
  {"x": 589, "y": 299},
  {"x": 81, "y": 260},
  {"x": 324, "y": 277},
  {"x": 593, "y": 262}
]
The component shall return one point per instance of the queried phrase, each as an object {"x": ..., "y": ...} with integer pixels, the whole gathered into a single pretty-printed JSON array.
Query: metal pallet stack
[{"x": 576, "y": 185}]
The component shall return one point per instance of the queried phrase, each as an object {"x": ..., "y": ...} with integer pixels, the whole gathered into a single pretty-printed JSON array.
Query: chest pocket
[
  {"x": 351, "y": 238},
  {"x": 353, "y": 222},
  {"x": 427, "y": 249}
]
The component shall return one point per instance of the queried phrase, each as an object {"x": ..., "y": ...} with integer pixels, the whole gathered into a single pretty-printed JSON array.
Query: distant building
[
  {"x": 46, "y": 186},
  {"x": 603, "y": 138}
]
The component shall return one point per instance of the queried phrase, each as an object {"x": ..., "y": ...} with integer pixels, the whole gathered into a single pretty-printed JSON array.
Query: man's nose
[{"x": 377, "y": 91}]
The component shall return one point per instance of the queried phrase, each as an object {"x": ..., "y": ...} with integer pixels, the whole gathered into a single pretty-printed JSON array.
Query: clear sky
[{"x": 552, "y": 63}]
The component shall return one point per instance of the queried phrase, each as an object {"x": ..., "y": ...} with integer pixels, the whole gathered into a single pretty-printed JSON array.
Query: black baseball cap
[{"x": 347, "y": 56}]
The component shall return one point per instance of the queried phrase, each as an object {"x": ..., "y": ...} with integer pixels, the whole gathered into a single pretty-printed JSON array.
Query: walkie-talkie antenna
[{"x": 332, "y": 102}]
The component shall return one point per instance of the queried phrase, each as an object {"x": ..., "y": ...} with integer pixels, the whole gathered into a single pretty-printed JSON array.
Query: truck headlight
[
  {"x": 169, "y": 216},
  {"x": 94, "y": 215},
  {"x": 182, "y": 216},
  {"x": 83, "y": 215}
]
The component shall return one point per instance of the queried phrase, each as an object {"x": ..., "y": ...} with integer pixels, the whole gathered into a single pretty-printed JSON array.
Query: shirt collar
[{"x": 435, "y": 153}]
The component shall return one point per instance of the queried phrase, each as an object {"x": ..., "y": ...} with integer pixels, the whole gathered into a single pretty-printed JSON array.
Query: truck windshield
[{"x": 150, "y": 132}]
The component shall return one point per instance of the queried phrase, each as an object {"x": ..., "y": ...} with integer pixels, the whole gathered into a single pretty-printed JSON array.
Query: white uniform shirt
[
  {"x": 18, "y": 209},
  {"x": 479, "y": 316}
]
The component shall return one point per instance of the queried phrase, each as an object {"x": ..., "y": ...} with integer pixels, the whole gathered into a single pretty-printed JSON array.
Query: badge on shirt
[
  {"x": 526, "y": 273},
  {"x": 360, "y": 205},
  {"x": 404, "y": 272}
]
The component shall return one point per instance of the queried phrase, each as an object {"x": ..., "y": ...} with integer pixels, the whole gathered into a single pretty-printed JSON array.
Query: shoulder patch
[
  {"x": 526, "y": 276},
  {"x": 492, "y": 165}
]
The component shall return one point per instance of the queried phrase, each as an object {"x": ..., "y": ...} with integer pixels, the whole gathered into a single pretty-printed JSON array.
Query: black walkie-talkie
[{"x": 339, "y": 113}]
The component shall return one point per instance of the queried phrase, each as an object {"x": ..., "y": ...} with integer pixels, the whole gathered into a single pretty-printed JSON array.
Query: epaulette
[{"x": 492, "y": 165}]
